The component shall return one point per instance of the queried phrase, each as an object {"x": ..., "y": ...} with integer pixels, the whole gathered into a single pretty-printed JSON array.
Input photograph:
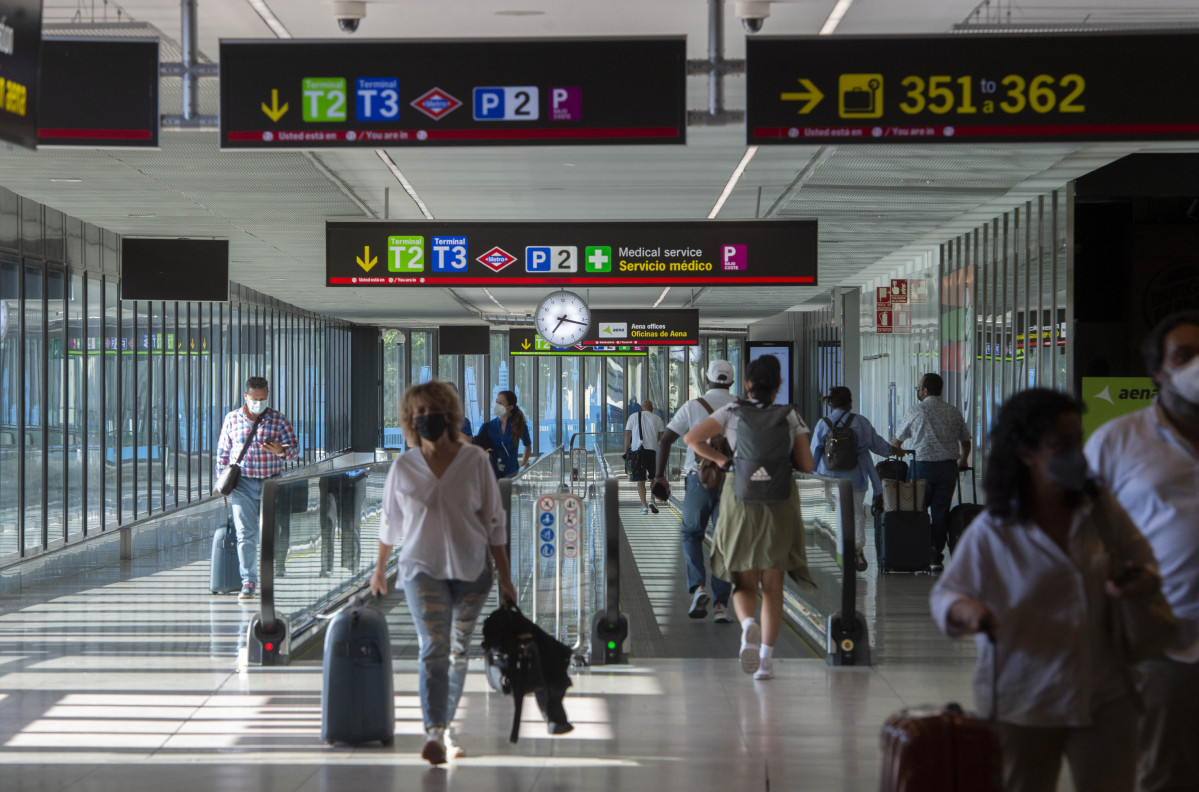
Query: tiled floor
[{"x": 129, "y": 681}]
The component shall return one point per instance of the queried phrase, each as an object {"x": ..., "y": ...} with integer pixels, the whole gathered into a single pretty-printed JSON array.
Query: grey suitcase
[
  {"x": 357, "y": 698},
  {"x": 224, "y": 576}
]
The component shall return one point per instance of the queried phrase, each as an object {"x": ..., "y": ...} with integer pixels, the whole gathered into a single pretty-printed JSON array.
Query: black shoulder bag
[{"x": 227, "y": 481}]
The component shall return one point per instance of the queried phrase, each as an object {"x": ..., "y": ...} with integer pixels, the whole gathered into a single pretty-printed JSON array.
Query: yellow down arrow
[
  {"x": 274, "y": 112},
  {"x": 811, "y": 95},
  {"x": 525, "y": 345},
  {"x": 365, "y": 261}
]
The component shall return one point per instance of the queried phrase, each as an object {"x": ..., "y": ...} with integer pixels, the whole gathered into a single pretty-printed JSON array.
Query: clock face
[{"x": 563, "y": 319}]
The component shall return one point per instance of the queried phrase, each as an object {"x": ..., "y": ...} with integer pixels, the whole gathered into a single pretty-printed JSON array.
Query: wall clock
[{"x": 563, "y": 319}]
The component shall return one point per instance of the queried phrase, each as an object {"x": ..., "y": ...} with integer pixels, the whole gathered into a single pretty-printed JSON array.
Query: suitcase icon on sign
[{"x": 861, "y": 95}]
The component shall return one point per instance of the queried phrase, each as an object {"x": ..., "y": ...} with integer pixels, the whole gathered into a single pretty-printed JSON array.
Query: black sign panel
[
  {"x": 20, "y": 40},
  {"x": 372, "y": 94},
  {"x": 99, "y": 92},
  {"x": 528, "y": 342},
  {"x": 718, "y": 253},
  {"x": 971, "y": 88},
  {"x": 648, "y": 326}
]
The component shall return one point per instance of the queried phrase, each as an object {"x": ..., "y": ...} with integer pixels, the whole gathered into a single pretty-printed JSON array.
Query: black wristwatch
[{"x": 727, "y": 467}]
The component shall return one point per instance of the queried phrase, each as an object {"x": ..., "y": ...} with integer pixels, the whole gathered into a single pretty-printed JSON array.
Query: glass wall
[{"x": 109, "y": 410}]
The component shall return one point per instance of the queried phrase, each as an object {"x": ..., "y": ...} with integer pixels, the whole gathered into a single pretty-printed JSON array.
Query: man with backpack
[
  {"x": 641, "y": 433},
  {"x": 699, "y": 503},
  {"x": 841, "y": 446}
]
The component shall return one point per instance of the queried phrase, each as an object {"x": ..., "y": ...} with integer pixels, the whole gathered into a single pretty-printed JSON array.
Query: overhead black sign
[
  {"x": 719, "y": 253},
  {"x": 20, "y": 40},
  {"x": 528, "y": 342},
  {"x": 99, "y": 92},
  {"x": 372, "y": 94},
  {"x": 648, "y": 326},
  {"x": 971, "y": 88}
]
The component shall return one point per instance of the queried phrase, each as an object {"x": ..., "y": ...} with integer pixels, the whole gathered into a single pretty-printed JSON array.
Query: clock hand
[
  {"x": 561, "y": 319},
  {"x": 572, "y": 321}
]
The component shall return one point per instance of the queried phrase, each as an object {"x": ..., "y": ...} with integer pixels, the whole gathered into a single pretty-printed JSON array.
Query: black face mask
[{"x": 430, "y": 426}]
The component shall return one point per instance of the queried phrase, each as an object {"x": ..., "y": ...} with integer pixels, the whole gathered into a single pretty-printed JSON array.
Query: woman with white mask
[{"x": 508, "y": 428}]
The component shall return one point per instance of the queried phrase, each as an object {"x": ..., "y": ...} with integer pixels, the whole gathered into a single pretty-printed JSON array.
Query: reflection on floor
[{"x": 126, "y": 679}]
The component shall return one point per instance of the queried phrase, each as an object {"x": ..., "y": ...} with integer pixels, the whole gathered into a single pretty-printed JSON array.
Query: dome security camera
[
  {"x": 752, "y": 14},
  {"x": 349, "y": 14}
]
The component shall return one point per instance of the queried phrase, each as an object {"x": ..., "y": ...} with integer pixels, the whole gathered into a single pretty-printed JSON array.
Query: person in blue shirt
[
  {"x": 508, "y": 428},
  {"x": 840, "y": 400}
]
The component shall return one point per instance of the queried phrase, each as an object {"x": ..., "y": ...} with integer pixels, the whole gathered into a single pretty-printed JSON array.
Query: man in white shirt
[
  {"x": 699, "y": 504},
  {"x": 641, "y": 434},
  {"x": 1150, "y": 460}
]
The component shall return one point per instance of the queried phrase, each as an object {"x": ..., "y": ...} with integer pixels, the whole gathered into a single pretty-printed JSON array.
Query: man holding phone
[{"x": 271, "y": 443}]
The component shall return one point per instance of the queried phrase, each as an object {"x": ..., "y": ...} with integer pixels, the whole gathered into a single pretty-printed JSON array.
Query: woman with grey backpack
[{"x": 759, "y": 534}]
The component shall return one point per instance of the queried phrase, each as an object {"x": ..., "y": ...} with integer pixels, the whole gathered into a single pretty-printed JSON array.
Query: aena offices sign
[
  {"x": 433, "y": 253},
  {"x": 368, "y": 94},
  {"x": 972, "y": 88}
]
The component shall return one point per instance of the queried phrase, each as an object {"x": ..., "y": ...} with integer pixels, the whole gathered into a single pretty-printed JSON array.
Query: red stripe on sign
[
  {"x": 96, "y": 134},
  {"x": 413, "y": 135},
  {"x": 917, "y": 133},
  {"x": 427, "y": 280}
]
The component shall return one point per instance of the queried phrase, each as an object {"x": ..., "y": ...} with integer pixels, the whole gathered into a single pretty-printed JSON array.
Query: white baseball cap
[{"x": 720, "y": 372}]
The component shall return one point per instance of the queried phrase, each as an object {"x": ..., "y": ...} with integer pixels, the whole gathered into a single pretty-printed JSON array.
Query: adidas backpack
[
  {"x": 762, "y": 459},
  {"x": 841, "y": 445}
]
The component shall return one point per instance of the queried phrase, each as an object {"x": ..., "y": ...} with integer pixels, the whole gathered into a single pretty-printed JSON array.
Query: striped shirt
[
  {"x": 936, "y": 428},
  {"x": 258, "y": 462}
]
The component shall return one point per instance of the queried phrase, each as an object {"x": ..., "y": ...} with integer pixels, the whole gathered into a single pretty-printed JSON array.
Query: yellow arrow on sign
[
  {"x": 811, "y": 95},
  {"x": 365, "y": 261},
  {"x": 525, "y": 345},
  {"x": 274, "y": 112}
]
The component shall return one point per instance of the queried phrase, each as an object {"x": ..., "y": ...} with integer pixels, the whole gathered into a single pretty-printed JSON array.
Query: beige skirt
[{"x": 752, "y": 536}]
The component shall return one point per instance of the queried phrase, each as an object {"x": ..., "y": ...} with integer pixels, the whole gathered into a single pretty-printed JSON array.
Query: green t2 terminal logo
[
  {"x": 405, "y": 254},
  {"x": 324, "y": 98},
  {"x": 598, "y": 258}
]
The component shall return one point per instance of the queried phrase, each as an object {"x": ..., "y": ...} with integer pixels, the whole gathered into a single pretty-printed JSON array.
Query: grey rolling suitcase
[
  {"x": 224, "y": 576},
  {"x": 357, "y": 699}
]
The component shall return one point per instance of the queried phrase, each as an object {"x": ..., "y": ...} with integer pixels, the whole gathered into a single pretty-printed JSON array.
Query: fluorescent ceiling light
[
  {"x": 835, "y": 16},
  {"x": 491, "y": 297},
  {"x": 268, "y": 16},
  {"x": 661, "y": 297},
  {"x": 732, "y": 183},
  {"x": 66, "y": 181},
  {"x": 395, "y": 170}
]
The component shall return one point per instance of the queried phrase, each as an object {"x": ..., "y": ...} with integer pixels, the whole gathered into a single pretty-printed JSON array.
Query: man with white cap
[{"x": 699, "y": 504}]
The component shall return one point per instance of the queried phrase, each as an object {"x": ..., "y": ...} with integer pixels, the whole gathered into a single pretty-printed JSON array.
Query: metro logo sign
[
  {"x": 436, "y": 104},
  {"x": 496, "y": 259}
]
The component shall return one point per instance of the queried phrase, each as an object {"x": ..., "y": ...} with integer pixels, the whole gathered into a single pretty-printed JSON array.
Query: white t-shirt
[
  {"x": 653, "y": 430},
  {"x": 692, "y": 414},
  {"x": 446, "y": 525},
  {"x": 727, "y": 417}
]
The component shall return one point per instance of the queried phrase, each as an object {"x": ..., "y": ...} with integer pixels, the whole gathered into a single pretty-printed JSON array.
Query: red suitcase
[{"x": 927, "y": 749}]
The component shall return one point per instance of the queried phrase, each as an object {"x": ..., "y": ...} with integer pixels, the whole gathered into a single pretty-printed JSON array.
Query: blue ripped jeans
[{"x": 445, "y": 613}]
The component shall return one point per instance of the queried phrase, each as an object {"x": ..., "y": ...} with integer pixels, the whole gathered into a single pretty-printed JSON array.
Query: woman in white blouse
[
  {"x": 756, "y": 544},
  {"x": 442, "y": 501},
  {"x": 1034, "y": 570}
]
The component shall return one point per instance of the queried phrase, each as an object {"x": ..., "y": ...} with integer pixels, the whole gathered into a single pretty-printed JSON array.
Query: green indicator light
[{"x": 611, "y": 644}]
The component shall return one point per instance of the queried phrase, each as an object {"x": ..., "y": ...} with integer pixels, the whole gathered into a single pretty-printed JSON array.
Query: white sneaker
[
  {"x": 765, "y": 670},
  {"x": 452, "y": 749},
  {"x": 699, "y": 603},
  {"x": 645, "y": 510},
  {"x": 751, "y": 647},
  {"x": 720, "y": 615}
]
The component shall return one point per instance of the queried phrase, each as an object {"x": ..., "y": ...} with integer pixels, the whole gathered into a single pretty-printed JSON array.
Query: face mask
[
  {"x": 430, "y": 426},
  {"x": 256, "y": 407},
  {"x": 1185, "y": 380},
  {"x": 1068, "y": 469},
  {"x": 499, "y": 410}
]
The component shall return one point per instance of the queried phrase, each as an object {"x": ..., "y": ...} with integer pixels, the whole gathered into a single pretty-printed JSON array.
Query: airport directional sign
[
  {"x": 584, "y": 253},
  {"x": 528, "y": 343},
  {"x": 488, "y": 92},
  {"x": 647, "y": 326},
  {"x": 20, "y": 60},
  {"x": 971, "y": 88}
]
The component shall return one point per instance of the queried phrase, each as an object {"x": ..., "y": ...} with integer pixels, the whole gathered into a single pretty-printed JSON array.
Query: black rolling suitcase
[
  {"x": 357, "y": 699},
  {"x": 224, "y": 575},
  {"x": 907, "y": 542},
  {"x": 963, "y": 514}
]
